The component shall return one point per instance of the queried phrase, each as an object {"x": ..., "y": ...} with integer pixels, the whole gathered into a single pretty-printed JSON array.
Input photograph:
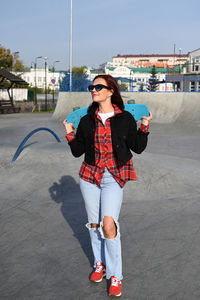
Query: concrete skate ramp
[{"x": 166, "y": 107}]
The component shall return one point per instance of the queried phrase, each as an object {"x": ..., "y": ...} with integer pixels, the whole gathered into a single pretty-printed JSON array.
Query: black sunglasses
[{"x": 98, "y": 87}]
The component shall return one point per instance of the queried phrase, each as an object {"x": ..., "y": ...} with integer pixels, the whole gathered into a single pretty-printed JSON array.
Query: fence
[{"x": 80, "y": 82}]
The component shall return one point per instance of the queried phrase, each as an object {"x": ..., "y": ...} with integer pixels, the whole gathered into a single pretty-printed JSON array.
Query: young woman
[{"x": 106, "y": 135}]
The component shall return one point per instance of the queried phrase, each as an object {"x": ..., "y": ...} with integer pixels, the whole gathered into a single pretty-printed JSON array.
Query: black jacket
[{"x": 124, "y": 133}]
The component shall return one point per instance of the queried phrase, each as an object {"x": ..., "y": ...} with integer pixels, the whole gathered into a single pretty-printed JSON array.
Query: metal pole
[
  {"x": 11, "y": 72},
  {"x": 35, "y": 96},
  {"x": 70, "y": 60},
  {"x": 35, "y": 66},
  {"x": 45, "y": 59},
  {"x": 53, "y": 84}
]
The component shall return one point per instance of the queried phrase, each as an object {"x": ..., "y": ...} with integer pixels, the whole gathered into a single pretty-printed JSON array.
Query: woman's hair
[{"x": 116, "y": 97}]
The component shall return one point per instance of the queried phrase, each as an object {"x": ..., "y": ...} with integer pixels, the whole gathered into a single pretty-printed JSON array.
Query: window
[
  {"x": 192, "y": 86},
  {"x": 196, "y": 68},
  {"x": 198, "y": 86}
]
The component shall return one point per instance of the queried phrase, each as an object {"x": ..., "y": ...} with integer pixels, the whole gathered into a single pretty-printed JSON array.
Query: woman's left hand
[{"x": 146, "y": 120}]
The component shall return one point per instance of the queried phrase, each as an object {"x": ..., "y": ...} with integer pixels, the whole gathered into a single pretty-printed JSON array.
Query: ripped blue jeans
[{"x": 103, "y": 201}]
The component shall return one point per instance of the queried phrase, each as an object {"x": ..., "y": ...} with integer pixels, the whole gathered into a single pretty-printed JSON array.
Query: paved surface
[{"x": 44, "y": 246}]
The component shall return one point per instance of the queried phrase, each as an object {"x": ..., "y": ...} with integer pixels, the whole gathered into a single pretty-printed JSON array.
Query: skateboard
[{"x": 137, "y": 111}]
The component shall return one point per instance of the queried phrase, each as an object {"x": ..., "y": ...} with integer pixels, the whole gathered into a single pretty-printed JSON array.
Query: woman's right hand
[
  {"x": 69, "y": 127},
  {"x": 146, "y": 120}
]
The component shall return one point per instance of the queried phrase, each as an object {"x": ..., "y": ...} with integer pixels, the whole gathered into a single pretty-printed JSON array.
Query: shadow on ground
[{"x": 67, "y": 192}]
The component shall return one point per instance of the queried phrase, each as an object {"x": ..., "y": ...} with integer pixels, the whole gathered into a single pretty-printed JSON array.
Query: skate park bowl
[{"x": 43, "y": 233}]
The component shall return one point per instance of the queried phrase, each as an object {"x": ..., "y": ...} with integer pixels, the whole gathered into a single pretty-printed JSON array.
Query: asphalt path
[{"x": 45, "y": 251}]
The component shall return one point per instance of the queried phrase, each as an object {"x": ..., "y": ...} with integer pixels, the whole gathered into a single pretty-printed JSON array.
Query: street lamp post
[
  {"x": 35, "y": 66},
  {"x": 57, "y": 61},
  {"x": 45, "y": 64}
]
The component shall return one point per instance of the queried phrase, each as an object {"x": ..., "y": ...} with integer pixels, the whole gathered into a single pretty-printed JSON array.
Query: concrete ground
[{"x": 45, "y": 251}]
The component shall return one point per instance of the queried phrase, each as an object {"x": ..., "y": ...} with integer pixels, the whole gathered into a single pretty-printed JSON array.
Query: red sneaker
[
  {"x": 99, "y": 273},
  {"x": 115, "y": 287}
]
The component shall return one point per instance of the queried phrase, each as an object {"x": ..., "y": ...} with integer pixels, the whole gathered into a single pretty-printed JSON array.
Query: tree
[
  {"x": 153, "y": 80},
  {"x": 5, "y": 58},
  {"x": 9, "y": 61},
  {"x": 18, "y": 65},
  {"x": 123, "y": 86},
  {"x": 141, "y": 88},
  {"x": 79, "y": 70}
]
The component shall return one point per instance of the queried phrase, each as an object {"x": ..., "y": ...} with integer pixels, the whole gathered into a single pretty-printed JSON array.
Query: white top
[{"x": 105, "y": 116}]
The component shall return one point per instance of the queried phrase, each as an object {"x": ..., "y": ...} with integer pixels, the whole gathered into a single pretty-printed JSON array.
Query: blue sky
[{"x": 101, "y": 29}]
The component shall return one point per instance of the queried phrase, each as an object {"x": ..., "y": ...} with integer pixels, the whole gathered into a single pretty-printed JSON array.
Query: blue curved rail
[{"x": 19, "y": 149}]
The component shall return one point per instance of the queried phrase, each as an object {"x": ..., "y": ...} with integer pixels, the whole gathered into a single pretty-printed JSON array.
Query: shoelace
[
  {"x": 115, "y": 281},
  {"x": 99, "y": 268}
]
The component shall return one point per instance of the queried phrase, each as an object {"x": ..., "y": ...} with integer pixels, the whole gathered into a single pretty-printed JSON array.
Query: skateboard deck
[{"x": 137, "y": 110}]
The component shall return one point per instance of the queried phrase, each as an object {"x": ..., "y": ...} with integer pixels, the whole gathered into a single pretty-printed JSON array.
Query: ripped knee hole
[{"x": 109, "y": 227}]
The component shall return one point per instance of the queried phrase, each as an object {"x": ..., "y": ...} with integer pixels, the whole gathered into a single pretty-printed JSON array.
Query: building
[
  {"x": 39, "y": 79},
  {"x": 194, "y": 61},
  {"x": 190, "y": 79},
  {"x": 138, "y": 77},
  {"x": 138, "y": 67},
  {"x": 148, "y": 60}
]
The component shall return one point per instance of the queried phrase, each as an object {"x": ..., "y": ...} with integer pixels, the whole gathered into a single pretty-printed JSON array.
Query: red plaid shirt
[{"x": 104, "y": 155}]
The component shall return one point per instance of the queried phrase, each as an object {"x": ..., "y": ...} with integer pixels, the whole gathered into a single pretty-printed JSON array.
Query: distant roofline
[
  {"x": 150, "y": 55},
  {"x": 194, "y": 50}
]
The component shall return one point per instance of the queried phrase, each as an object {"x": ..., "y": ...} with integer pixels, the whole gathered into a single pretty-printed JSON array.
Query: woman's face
[{"x": 104, "y": 94}]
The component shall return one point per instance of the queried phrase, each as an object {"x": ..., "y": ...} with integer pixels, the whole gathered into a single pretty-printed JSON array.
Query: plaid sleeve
[
  {"x": 70, "y": 136},
  {"x": 144, "y": 128}
]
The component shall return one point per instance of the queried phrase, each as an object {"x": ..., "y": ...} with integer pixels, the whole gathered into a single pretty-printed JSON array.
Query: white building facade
[
  {"x": 38, "y": 77},
  {"x": 138, "y": 80},
  {"x": 194, "y": 61}
]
